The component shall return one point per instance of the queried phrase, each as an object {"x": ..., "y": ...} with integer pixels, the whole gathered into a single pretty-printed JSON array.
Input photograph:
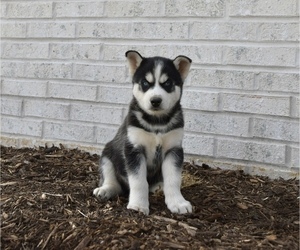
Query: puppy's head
[{"x": 157, "y": 81}]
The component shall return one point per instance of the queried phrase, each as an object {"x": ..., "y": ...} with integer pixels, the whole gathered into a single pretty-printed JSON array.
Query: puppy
[{"x": 146, "y": 153}]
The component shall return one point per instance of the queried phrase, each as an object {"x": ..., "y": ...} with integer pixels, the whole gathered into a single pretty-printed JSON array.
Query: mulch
[{"x": 47, "y": 203}]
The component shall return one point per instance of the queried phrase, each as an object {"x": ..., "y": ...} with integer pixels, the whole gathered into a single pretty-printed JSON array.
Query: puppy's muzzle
[{"x": 155, "y": 102}]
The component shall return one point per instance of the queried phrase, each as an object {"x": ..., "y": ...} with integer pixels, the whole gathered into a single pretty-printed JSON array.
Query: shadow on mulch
[{"x": 47, "y": 203}]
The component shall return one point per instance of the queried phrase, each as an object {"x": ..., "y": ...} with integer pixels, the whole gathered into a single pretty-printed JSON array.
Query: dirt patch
[{"x": 47, "y": 203}]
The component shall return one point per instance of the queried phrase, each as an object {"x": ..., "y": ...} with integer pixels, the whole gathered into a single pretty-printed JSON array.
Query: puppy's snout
[{"x": 155, "y": 101}]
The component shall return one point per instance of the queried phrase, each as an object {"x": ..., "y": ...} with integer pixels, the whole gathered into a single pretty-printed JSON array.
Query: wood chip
[
  {"x": 83, "y": 243},
  {"x": 191, "y": 230},
  {"x": 54, "y": 156},
  {"x": 50, "y": 235},
  {"x": 8, "y": 183},
  {"x": 242, "y": 205},
  {"x": 174, "y": 245},
  {"x": 271, "y": 237}
]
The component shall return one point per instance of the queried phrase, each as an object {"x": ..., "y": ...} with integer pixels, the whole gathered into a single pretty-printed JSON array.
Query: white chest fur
[{"x": 150, "y": 141}]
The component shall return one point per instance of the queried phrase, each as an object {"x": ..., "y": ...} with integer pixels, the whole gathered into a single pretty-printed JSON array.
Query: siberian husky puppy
[{"x": 146, "y": 153}]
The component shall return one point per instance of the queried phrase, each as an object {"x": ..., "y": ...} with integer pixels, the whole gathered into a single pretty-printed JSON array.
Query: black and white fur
[{"x": 146, "y": 153}]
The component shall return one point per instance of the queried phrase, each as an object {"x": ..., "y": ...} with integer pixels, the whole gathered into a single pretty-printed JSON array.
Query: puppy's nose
[{"x": 155, "y": 101}]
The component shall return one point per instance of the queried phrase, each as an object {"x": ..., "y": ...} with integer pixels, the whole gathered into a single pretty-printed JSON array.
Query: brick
[
  {"x": 281, "y": 82},
  {"x": 294, "y": 161},
  {"x": 105, "y": 134},
  {"x": 46, "y": 109},
  {"x": 24, "y": 88},
  {"x": 103, "y": 73},
  {"x": 276, "y": 129},
  {"x": 9, "y": 141},
  {"x": 11, "y": 106},
  {"x": 13, "y": 30},
  {"x": 17, "y": 126},
  {"x": 51, "y": 30},
  {"x": 12, "y": 69},
  {"x": 224, "y": 31},
  {"x": 256, "y": 104},
  {"x": 79, "y": 9},
  {"x": 75, "y": 51},
  {"x": 202, "y": 8},
  {"x": 69, "y": 131},
  {"x": 263, "y": 8},
  {"x": 103, "y": 30},
  {"x": 160, "y": 30},
  {"x": 200, "y": 100},
  {"x": 150, "y": 30},
  {"x": 278, "y": 32},
  {"x": 204, "y": 54},
  {"x": 133, "y": 8},
  {"x": 115, "y": 94},
  {"x": 224, "y": 79},
  {"x": 295, "y": 107},
  {"x": 49, "y": 70},
  {"x": 3, "y": 10},
  {"x": 25, "y": 50},
  {"x": 251, "y": 151},
  {"x": 72, "y": 91},
  {"x": 198, "y": 145},
  {"x": 29, "y": 10},
  {"x": 260, "y": 56},
  {"x": 96, "y": 113},
  {"x": 222, "y": 124},
  {"x": 117, "y": 52}
]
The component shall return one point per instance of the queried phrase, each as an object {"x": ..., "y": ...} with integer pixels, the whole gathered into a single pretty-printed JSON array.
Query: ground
[{"x": 47, "y": 203}]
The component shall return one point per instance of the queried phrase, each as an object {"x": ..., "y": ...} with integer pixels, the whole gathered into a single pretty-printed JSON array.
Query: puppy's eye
[
  {"x": 145, "y": 85},
  {"x": 168, "y": 83}
]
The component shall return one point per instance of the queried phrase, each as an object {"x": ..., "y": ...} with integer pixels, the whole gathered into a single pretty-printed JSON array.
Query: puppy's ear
[
  {"x": 182, "y": 64},
  {"x": 134, "y": 60}
]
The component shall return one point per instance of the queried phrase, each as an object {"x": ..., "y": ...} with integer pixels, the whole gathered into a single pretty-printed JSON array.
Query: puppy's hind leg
[
  {"x": 156, "y": 187},
  {"x": 109, "y": 185}
]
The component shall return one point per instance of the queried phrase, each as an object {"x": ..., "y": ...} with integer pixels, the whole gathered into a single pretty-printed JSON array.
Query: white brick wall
[{"x": 65, "y": 80}]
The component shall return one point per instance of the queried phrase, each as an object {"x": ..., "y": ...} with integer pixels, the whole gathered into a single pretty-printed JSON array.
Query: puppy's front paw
[
  {"x": 179, "y": 205},
  {"x": 139, "y": 207},
  {"x": 101, "y": 193},
  {"x": 105, "y": 192}
]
